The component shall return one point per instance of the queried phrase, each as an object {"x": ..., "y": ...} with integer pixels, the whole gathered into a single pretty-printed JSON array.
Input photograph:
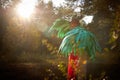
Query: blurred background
[{"x": 29, "y": 52}]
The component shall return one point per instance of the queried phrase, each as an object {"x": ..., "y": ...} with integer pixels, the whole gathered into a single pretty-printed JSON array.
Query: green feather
[
  {"x": 81, "y": 39},
  {"x": 77, "y": 39},
  {"x": 62, "y": 26}
]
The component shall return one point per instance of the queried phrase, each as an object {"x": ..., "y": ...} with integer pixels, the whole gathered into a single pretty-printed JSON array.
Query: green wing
[
  {"x": 61, "y": 26},
  {"x": 80, "y": 39}
]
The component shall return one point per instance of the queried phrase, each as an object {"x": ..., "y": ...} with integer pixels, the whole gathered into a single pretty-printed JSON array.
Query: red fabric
[{"x": 72, "y": 66}]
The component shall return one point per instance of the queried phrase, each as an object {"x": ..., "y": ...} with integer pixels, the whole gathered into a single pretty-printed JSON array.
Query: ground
[
  {"x": 31, "y": 67},
  {"x": 28, "y": 66}
]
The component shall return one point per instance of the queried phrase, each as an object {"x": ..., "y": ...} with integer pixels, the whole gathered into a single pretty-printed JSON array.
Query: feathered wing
[
  {"x": 61, "y": 26},
  {"x": 80, "y": 39}
]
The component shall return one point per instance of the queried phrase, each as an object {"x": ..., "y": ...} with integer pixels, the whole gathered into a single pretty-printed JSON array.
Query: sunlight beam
[{"x": 26, "y": 8}]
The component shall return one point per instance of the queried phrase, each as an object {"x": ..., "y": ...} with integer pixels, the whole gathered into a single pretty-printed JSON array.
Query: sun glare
[{"x": 26, "y": 8}]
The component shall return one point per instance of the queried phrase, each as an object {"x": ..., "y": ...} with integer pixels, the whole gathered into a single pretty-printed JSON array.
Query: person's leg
[{"x": 72, "y": 66}]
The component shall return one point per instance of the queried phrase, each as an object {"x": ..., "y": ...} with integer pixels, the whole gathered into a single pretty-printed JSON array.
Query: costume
[
  {"x": 75, "y": 41},
  {"x": 72, "y": 66}
]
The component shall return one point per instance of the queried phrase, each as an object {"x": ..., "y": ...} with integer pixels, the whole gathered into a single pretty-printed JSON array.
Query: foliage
[
  {"x": 19, "y": 35},
  {"x": 115, "y": 31},
  {"x": 104, "y": 20},
  {"x": 62, "y": 68},
  {"x": 45, "y": 14},
  {"x": 50, "y": 47}
]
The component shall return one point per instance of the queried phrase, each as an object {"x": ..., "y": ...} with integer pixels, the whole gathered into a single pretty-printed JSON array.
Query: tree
[
  {"x": 105, "y": 14},
  {"x": 6, "y": 13}
]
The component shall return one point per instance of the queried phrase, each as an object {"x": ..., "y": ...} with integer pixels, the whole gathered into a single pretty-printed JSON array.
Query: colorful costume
[{"x": 76, "y": 41}]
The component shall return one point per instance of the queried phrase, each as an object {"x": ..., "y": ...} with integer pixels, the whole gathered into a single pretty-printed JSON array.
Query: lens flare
[{"x": 26, "y": 8}]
